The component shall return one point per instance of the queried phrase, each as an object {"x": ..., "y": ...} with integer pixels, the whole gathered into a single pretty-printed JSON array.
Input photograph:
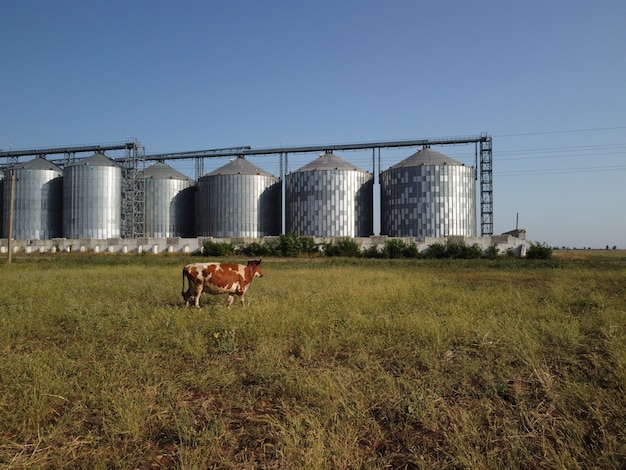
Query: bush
[
  {"x": 492, "y": 252},
  {"x": 437, "y": 250},
  {"x": 292, "y": 245},
  {"x": 539, "y": 251},
  {"x": 346, "y": 247},
  {"x": 411, "y": 251},
  {"x": 474, "y": 251},
  {"x": 211, "y": 248},
  {"x": 398, "y": 249},
  {"x": 454, "y": 250},
  {"x": 258, "y": 249},
  {"x": 372, "y": 252},
  {"x": 393, "y": 249}
]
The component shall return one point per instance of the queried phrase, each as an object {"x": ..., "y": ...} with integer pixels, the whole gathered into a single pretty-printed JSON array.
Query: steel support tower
[
  {"x": 486, "y": 187},
  {"x": 133, "y": 193}
]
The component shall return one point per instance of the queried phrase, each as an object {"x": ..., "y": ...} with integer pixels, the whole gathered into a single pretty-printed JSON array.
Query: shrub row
[
  {"x": 284, "y": 246},
  {"x": 290, "y": 245}
]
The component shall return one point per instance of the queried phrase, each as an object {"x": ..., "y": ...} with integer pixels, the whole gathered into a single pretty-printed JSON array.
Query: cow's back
[{"x": 223, "y": 278}]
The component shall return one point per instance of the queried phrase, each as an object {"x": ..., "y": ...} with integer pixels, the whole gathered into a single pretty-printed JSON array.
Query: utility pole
[{"x": 10, "y": 227}]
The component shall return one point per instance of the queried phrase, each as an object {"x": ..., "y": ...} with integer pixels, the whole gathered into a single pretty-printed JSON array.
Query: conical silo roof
[
  {"x": 328, "y": 161},
  {"x": 97, "y": 159},
  {"x": 162, "y": 171},
  {"x": 239, "y": 166},
  {"x": 38, "y": 164},
  {"x": 428, "y": 157}
]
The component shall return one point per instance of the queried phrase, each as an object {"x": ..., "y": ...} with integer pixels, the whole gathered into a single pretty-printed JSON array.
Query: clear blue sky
[{"x": 546, "y": 79}]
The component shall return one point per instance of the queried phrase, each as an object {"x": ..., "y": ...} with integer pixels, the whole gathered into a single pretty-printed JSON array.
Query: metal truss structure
[
  {"x": 133, "y": 193},
  {"x": 486, "y": 187},
  {"x": 483, "y": 166},
  {"x": 133, "y": 213},
  {"x": 133, "y": 162}
]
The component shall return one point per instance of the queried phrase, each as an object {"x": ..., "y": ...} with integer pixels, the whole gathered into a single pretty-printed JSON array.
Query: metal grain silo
[
  {"x": 169, "y": 202},
  {"x": 428, "y": 195},
  {"x": 37, "y": 201},
  {"x": 92, "y": 198},
  {"x": 329, "y": 197},
  {"x": 238, "y": 199}
]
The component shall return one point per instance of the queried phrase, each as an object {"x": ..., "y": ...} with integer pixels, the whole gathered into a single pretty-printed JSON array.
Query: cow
[{"x": 219, "y": 278}]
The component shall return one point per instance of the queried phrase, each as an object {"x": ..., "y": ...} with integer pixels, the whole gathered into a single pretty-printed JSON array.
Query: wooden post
[{"x": 10, "y": 227}]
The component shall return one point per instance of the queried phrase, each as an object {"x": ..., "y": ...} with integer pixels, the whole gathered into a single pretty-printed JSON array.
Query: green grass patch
[{"x": 334, "y": 363}]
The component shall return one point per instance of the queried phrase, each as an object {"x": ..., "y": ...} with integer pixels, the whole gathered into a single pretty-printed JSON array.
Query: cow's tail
[{"x": 182, "y": 292}]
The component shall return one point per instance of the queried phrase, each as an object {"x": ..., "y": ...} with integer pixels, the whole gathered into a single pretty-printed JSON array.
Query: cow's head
[{"x": 255, "y": 268}]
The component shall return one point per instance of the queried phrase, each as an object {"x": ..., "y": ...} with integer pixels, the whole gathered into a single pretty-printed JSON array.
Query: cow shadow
[{"x": 209, "y": 301}]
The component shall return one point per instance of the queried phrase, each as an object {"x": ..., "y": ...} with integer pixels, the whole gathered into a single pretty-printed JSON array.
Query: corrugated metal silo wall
[
  {"x": 92, "y": 201},
  {"x": 238, "y": 205},
  {"x": 170, "y": 208},
  {"x": 428, "y": 201},
  {"x": 37, "y": 204},
  {"x": 329, "y": 203}
]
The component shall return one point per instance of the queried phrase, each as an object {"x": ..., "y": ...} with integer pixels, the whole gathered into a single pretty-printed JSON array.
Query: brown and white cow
[{"x": 219, "y": 278}]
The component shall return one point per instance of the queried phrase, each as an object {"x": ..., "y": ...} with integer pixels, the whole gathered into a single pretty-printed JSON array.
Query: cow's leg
[
  {"x": 196, "y": 297},
  {"x": 187, "y": 293},
  {"x": 230, "y": 300},
  {"x": 241, "y": 301},
  {"x": 189, "y": 297}
]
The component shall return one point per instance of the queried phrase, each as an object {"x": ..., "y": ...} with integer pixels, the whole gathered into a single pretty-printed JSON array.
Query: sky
[{"x": 545, "y": 79}]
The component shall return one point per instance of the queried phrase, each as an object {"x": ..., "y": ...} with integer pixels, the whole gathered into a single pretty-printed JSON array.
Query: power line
[
  {"x": 566, "y": 149},
  {"x": 569, "y": 131},
  {"x": 577, "y": 149},
  {"x": 560, "y": 171}
]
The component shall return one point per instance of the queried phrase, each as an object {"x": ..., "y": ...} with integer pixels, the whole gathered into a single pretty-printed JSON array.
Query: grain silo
[
  {"x": 238, "y": 199},
  {"x": 170, "y": 203},
  {"x": 92, "y": 198},
  {"x": 329, "y": 197},
  {"x": 428, "y": 195},
  {"x": 37, "y": 201}
]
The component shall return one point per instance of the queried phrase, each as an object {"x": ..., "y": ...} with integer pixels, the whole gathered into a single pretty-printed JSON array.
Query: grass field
[{"x": 333, "y": 364}]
